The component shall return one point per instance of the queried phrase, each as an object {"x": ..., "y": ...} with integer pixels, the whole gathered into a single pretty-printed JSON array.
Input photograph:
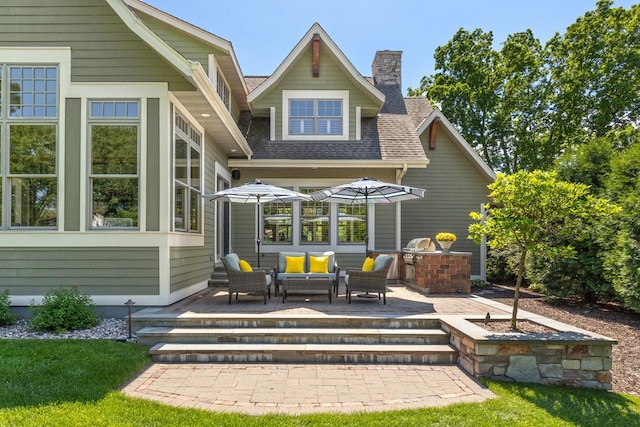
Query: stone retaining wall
[{"x": 559, "y": 359}]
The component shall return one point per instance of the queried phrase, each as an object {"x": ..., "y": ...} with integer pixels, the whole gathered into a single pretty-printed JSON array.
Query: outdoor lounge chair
[
  {"x": 370, "y": 281},
  {"x": 254, "y": 282}
]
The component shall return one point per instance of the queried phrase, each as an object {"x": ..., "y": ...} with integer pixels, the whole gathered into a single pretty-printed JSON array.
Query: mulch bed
[{"x": 606, "y": 319}]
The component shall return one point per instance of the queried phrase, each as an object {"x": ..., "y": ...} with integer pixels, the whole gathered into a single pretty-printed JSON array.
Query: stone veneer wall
[{"x": 546, "y": 361}]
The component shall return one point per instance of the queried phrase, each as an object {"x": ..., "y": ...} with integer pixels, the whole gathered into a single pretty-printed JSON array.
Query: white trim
[
  {"x": 219, "y": 170},
  {"x": 325, "y": 164},
  {"x": 185, "y": 292},
  {"x": 192, "y": 30},
  {"x": 358, "y": 123},
  {"x": 297, "y": 51},
  {"x": 272, "y": 123},
  {"x": 220, "y": 109},
  {"x": 61, "y": 57},
  {"x": 315, "y": 94},
  {"x": 213, "y": 70},
  {"x": 333, "y": 244},
  {"x": 97, "y": 238},
  {"x": 458, "y": 138}
]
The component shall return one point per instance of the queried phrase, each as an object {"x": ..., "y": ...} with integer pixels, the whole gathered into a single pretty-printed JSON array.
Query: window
[
  {"x": 114, "y": 176},
  {"x": 315, "y": 115},
  {"x": 223, "y": 90},
  {"x": 277, "y": 220},
  {"x": 315, "y": 220},
  {"x": 28, "y": 136},
  {"x": 351, "y": 223},
  {"x": 187, "y": 176}
]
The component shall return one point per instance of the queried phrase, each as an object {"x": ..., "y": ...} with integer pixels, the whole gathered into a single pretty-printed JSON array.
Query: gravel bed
[{"x": 108, "y": 329}]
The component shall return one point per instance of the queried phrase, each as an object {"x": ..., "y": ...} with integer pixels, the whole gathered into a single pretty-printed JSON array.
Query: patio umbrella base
[{"x": 367, "y": 295}]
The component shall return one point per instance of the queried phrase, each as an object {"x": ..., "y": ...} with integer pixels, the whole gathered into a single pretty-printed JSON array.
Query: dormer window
[{"x": 315, "y": 115}]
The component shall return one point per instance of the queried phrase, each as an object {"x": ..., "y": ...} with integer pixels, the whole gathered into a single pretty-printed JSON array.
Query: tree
[
  {"x": 497, "y": 100},
  {"x": 595, "y": 73},
  {"x": 467, "y": 86},
  {"x": 528, "y": 208}
]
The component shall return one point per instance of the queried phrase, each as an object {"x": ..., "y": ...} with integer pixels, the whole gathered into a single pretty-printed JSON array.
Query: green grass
[{"x": 75, "y": 383}]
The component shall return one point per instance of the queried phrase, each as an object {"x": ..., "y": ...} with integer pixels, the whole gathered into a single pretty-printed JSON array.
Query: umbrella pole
[{"x": 258, "y": 243}]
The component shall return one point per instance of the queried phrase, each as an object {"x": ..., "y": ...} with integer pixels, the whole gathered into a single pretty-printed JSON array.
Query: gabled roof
[
  {"x": 457, "y": 138},
  {"x": 229, "y": 64},
  {"x": 293, "y": 56},
  {"x": 220, "y": 124}
]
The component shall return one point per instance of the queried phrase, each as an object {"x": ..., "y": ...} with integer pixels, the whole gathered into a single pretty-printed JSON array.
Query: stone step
[
  {"x": 146, "y": 318},
  {"x": 303, "y": 353},
  {"x": 152, "y": 335}
]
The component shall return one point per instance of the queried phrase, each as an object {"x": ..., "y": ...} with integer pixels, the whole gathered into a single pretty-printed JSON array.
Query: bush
[
  {"x": 501, "y": 264},
  {"x": 479, "y": 283},
  {"x": 63, "y": 310},
  {"x": 6, "y": 316}
]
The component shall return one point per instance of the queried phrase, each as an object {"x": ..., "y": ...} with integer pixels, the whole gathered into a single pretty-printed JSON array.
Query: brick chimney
[{"x": 387, "y": 67}]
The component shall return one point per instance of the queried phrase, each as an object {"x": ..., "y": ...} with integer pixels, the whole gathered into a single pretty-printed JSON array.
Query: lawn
[{"x": 76, "y": 382}]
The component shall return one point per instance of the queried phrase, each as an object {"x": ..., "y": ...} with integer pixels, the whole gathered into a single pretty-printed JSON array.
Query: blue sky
[{"x": 264, "y": 32}]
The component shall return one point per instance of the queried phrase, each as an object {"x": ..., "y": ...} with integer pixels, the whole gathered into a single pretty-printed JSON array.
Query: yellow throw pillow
[
  {"x": 294, "y": 264},
  {"x": 368, "y": 264},
  {"x": 319, "y": 264},
  {"x": 244, "y": 266}
]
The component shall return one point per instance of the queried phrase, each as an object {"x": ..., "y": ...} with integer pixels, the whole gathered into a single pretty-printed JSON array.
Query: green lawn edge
[{"x": 77, "y": 383}]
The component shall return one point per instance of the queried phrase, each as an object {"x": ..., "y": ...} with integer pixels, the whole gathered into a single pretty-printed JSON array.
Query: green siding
[
  {"x": 95, "y": 271},
  {"x": 72, "y": 165},
  {"x": 189, "y": 265},
  {"x": 454, "y": 188},
  {"x": 190, "y": 47},
  {"x": 332, "y": 77},
  {"x": 385, "y": 227},
  {"x": 103, "y": 49},
  {"x": 153, "y": 164}
]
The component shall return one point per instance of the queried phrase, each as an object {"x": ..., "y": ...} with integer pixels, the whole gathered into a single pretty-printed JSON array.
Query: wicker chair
[
  {"x": 254, "y": 282},
  {"x": 370, "y": 281}
]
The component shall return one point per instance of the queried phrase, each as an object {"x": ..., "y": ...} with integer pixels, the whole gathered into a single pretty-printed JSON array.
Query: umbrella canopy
[
  {"x": 368, "y": 190},
  {"x": 257, "y": 192}
]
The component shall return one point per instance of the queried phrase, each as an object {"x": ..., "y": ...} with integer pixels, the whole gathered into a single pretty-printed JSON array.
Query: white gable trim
[
  {"x": 295, "y": 53},
  {"x": 192, "y": 30},
  {"x": 459, "y": 139}
]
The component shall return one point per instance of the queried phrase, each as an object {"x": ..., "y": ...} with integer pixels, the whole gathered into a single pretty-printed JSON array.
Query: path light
[{"x": 129, "y": 304}]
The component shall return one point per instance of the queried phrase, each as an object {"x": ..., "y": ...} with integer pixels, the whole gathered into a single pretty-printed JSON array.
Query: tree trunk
[{"x": 516, "y": 295}]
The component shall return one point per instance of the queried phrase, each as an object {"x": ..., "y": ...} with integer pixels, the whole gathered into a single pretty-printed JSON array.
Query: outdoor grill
[{"x": 419, "y": 244}]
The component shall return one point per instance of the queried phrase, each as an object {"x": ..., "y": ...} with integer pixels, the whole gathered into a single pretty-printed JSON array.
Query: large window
[
  {"x": 277, "y": 223},
  {"x": 187, "y": 176},
  {"x": 114, "y": 170},
  {"x": 315, "y": 220},
  {"x": 351, "y": 223},
  {"x": 28, "y": 135},
  {"x": 315, "y": 117}
]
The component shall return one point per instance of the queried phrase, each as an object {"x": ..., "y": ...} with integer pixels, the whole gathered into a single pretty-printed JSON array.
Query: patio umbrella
[
  {"x": 257, "y": 193},
  {"x": 368, "y": 190}
]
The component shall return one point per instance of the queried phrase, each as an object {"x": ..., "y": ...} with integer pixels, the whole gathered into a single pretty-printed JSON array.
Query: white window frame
[
  {"x": 113, "y": 121},
  {"x": 6, "y": 122},
  {"x": 194, "y": 127},
  {"x": 296, "y": 244},
  {"x": 342, "y": 95},
  {"x": 224, "y": 92}
]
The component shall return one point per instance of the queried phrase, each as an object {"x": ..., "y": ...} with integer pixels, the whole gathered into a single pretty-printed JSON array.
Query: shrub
[
  {"x": 63, "y": 310},
  {"x": 6, "y": 316},
  {"x": 479, "y": 283}
]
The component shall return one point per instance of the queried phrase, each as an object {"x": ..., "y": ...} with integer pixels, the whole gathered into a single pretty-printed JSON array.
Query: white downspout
[{"x": 399, "y": 175}]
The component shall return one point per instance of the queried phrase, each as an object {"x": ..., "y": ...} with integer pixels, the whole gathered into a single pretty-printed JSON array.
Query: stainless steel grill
[{"x": 419, "y": 244}]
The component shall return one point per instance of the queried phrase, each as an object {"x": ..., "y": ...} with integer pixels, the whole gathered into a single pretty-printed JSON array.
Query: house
[{"x": 117, "y": 117}]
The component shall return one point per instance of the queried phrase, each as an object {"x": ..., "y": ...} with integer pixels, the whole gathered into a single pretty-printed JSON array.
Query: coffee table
[{"x": 306, "y": 284}]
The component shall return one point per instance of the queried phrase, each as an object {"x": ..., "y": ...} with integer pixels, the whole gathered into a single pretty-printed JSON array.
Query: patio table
[{"x": 306, "y": 284}]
